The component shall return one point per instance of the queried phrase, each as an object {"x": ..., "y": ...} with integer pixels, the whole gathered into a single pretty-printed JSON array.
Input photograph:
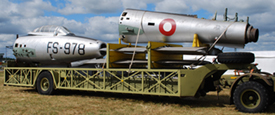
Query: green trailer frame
[
  {"x": 150, "y": 78},
  {"x": 162, "y": 82}
]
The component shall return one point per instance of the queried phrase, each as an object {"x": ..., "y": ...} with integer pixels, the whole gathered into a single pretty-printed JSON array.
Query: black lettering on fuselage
[
  {"x": 55, "y": 48},
  {"x": 81, "y": 49},
  {"x": 48, "y": 46},
  {"x": 74, "y": 46},
  {"x": 69, "y": 48}
]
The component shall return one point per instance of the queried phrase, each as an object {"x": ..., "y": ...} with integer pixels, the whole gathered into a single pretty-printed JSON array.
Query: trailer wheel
[
  {"x": 44, "y": 83},
  {"x": 251, "y": 97},
  {"x": 236, "y": 57},
  {"x": 271, "y": 97}
]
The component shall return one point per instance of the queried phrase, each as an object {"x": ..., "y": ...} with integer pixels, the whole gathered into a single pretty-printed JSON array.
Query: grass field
[{"x": 20, "y": 100}]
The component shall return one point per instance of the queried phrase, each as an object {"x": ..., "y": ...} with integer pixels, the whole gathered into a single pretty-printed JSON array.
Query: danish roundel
[{"x": 167, "y": 27}]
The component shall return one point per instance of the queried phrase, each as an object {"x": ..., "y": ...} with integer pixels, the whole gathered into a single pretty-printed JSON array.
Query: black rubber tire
[
  {"x": 44, "y": 83},
  {"x": 271, "y": 97},
  {"x": 236, "y": 57},
  {"x": 251, "y": 97}
]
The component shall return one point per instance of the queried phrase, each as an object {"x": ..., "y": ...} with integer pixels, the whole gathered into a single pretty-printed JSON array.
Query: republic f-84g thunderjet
[{"x": 56, "y": 46}]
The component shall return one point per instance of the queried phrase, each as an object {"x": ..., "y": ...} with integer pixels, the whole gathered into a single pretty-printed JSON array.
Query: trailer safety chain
[
  {"x": 203, "y": 58},
  {"x": 134, "y": 53},
  {"x": 219, "y": 37},
  {"x": 104, "y": 64},
  {"x": 212, "y": 46}
]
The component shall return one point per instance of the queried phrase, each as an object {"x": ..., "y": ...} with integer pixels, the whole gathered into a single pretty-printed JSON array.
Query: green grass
[
  {"x": 1, "y": 74},
  {"x": 21, "y": 100}
]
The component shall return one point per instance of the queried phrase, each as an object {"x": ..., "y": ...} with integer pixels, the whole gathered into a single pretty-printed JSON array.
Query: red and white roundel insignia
[{"x": 167, "y": 27}]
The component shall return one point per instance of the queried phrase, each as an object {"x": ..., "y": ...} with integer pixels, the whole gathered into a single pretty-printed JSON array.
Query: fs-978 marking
[{"x": 69, "y": 48}]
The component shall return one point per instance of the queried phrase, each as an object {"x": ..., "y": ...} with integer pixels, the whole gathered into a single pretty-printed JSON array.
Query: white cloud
[
  {"x": 99, "y": 27},
  {"x": 268, "y": 37},
  {"x": 175, "y": 6},
  {"x": 7, "y": 40},
  {"x": 103, "y": 28},
  {"x": 265, "y": 42},
  {"x": 241, "y": 6},
  {"x": 135, "y": 4},
  {"x": 91, "y": 6},
  {"x": 264, "y": 21},
  {"x": 25, "y": 25},
  {"x": 34, "y": 8},
  {"x": 30, "y": 8},
  {"x": 103, "y": 6},
  {"x": 12, "y": 14}
]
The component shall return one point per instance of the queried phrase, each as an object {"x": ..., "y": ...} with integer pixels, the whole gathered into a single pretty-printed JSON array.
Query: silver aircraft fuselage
[
  {"x": 55, "y": 45},
  {"x": 176, "y": 28}
]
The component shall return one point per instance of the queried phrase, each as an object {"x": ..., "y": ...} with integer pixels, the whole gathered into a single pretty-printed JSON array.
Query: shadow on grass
[{"x": 207, "y": 101}]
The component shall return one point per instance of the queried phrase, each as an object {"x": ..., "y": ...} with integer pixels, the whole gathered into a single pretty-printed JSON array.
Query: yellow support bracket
[
  {"x": 197, "y": 43},
  {"x": 119, "y": 40}
]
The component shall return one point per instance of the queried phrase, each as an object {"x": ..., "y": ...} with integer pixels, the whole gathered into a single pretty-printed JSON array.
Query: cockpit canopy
[{"x": 50, "y": 30}]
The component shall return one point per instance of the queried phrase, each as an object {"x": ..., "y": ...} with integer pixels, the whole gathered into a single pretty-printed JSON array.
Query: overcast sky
[{"x": 99, "y": 18}]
